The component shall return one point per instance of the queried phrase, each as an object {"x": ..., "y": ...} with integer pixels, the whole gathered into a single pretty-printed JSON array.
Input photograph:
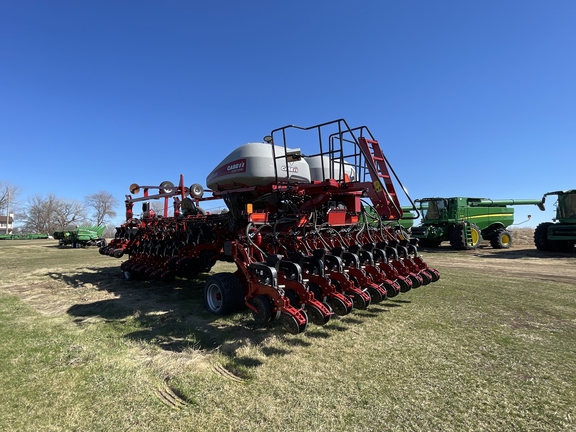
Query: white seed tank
[
  {"x": 253, "y": 165},
  {"x": 333, "y": 171}
]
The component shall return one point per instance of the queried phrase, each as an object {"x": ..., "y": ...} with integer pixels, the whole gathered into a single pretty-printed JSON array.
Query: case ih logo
[
  {"x": 236, "y": 166},
  {"x": 290, "y": 168}
]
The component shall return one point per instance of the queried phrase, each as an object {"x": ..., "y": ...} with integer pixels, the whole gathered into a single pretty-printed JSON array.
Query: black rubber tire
[
  {"x": 223, "y": 294},
  {"x": 264, "y": 314},
  {"x": 375, "y": 295},
  {"x": 426, "y": 278},
  {"x": 196, "y": 190},
  {"x": 290, "y": 324},
  {"x": 405, "y": 284},
  {"x": 166, "y": 187},
  {"x": 392, "y": 289},
  {"x": 501, "y": 239},
  {"x": 416, "y": 282},
  {"x": 457, "y": 240},
  {"x": 338, "y": 306},
  {"x": 316, "y": 316},
  {"x": 360, "y": 302},
  {"x": 541, "y": 237}
]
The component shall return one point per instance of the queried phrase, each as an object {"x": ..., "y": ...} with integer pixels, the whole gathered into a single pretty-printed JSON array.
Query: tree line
[{"x": 48, "y": 213}]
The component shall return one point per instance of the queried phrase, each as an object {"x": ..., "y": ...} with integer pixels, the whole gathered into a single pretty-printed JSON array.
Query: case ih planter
[{"x": 293, "y": 228}]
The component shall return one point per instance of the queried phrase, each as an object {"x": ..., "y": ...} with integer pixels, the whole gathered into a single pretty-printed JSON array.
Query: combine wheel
[
  {"x": 541, "y": 237},
  {"x": 458, "y": 237},
  {"x": 264, "y": 309},
  {"x": 290, "y": 323},
  {"x": 475, "y": 236},
  {"x": 501, "y": 239},
  {"x": 223, "y": 295}
]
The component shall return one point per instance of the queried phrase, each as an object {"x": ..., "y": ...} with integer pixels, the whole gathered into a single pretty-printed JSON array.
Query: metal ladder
[{"x": 378, "y": 168}]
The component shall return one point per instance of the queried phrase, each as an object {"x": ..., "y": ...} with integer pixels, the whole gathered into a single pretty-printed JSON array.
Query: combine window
[
  {"x": 434, "y": 210},
  {"x": 567, "y": 206}
]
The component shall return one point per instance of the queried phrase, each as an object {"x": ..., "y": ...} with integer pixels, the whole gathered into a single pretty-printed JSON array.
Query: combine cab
[
  {"x": 294, "y": 229},
  {"x": 464, "y": 222},
  {"x": 559, "y": 236}
]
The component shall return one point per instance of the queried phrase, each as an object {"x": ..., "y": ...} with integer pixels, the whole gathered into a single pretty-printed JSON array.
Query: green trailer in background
[
  {"x": 560, "y": 235},
  {"x": 464, "y": 222},
  {"x": 23, "y": 236},
  {"x": 82, "y": 236}
]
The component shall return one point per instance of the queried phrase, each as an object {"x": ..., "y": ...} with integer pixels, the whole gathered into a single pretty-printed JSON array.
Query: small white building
[{"x": 6, "y": 222}]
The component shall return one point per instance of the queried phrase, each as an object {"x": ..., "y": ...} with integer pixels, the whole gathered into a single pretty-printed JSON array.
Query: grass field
[{"x": 489, "y": 347}]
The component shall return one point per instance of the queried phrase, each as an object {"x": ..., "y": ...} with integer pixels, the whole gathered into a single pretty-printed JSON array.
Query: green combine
[
  {"x": 464, "y": 222},
  {"x": 82, "y": 236},
  {"x": 559, "y": 236}
]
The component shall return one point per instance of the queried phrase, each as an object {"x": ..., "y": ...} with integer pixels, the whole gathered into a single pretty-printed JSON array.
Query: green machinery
[
  {"x": 82, "y": 236},
  {"x": 558, "y": 236},
  {"x": 23, "y": 236},
  {"x": 406, "y": 221},
  {"x": 464, "y": 222}
]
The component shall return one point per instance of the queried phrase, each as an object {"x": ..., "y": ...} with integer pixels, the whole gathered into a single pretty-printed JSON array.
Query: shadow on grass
[
  {"x": 172, "y": 316},
  {"x": 486, "y": 251},
  {"x": 395, "y": 302},
  {"x": 527, "y": 253}
]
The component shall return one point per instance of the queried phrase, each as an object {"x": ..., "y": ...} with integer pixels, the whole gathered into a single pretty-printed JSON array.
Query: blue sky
[{"x": 467, "y": 98}]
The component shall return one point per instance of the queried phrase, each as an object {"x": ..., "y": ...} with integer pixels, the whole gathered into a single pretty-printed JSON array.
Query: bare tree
[
  {"x": 50, "y": 213},
  {"x": 8, "y": 197},
  {"x": 69, "y": 213},
  {"x": 37, "y": 218},
  {"x": 103, "y": 204}
]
